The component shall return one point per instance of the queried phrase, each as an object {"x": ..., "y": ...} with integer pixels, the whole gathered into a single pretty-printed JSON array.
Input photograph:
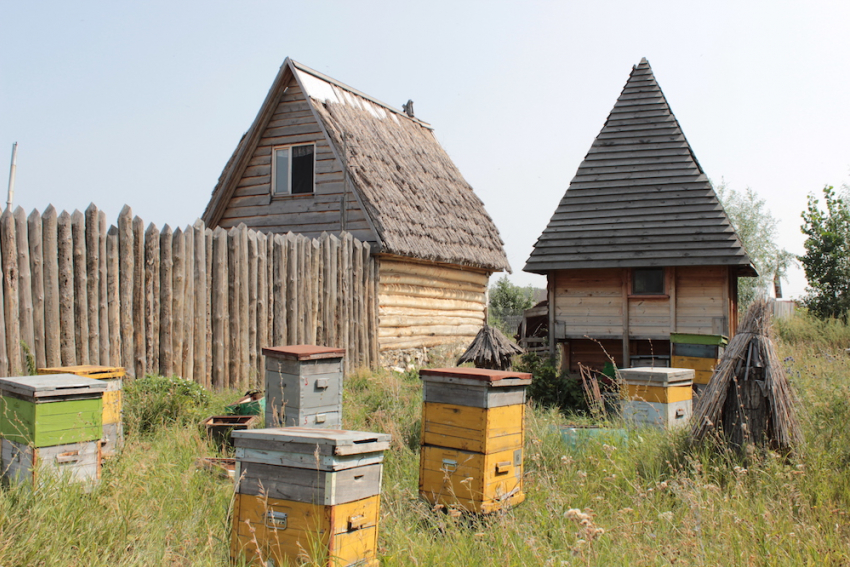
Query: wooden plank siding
[
  {"x": 426, "y": 305},
  {"x": 589, "y": 303},
  {"x": 253, "y": 204}
]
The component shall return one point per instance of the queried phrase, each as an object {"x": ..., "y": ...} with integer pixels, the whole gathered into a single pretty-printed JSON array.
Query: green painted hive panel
[{"x": 53, "y": 423}]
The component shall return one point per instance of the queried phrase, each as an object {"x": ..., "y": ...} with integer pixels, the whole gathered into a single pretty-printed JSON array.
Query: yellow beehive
[
  {"x": 269, "y": 529},
  {"x": 700, "y": 353},
  {"x": 476, "y": 482},
  {"x": 482, "y": 430},
  {"x": 659, "y": 394},
  {"x": 113, "y": 423},
  {"x": 472, "y": 438},
  {"x": 307, "y": 494}
]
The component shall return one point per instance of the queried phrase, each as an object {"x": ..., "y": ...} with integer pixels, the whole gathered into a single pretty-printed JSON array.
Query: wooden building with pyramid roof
[{"x": 639, "y": 246}]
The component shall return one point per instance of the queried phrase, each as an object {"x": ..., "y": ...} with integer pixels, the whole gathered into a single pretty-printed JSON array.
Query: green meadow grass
[{"x": 644, "y": 502}]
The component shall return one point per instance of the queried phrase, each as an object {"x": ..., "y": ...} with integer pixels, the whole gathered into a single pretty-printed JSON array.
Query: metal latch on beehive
[
  {"x": 449, "y": 465},
  {"x": 276, "y": 520}
]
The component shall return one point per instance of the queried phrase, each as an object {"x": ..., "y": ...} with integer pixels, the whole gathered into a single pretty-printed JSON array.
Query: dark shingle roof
[{"x": 640, "y": 197}]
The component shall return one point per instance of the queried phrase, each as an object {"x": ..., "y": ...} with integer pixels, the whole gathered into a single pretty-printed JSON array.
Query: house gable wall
[{"x": 293, "y": 122}]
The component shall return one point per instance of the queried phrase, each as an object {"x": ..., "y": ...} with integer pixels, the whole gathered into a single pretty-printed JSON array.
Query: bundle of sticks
[{"x": 749, "y": 399}]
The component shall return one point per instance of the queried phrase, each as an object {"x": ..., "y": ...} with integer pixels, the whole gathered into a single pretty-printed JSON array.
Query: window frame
[
  {"x": 273, "y": 175},
  {"x": 648, "y": 294}
]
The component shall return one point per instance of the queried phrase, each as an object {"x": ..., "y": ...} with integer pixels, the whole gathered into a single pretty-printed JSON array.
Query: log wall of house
[
  {"x": 253, "y": 204},
  {"x": 422, "y": 304},
  {"x": 591, "y": 302}
]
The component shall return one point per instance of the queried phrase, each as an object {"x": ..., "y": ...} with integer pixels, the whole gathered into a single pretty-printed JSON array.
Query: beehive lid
[
  {"x": 658, "y": 376},
  {"x": 691, "y": 339},
  {"x": 480, "y": 377},
  {"x": 303, "y": 352},
  {"x": 52, "y": 385},
  {"x": 325, "y": 441},
  {"x": 89, "y": 370}
]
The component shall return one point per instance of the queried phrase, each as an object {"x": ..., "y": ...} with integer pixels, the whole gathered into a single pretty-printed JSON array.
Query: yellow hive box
[
  {"x": 482, "y": 430},
  {"x": 269, "y": 531},
  {"x": 659, "y": 394},
  {"x": 476, "y": 482},
  {"x": 113, "y": 376},
  {"x": 703, "y": 367}
]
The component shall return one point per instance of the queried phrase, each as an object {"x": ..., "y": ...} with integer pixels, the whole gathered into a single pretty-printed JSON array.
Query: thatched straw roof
[
  {"x": 415, "y": 198},
  {"x": 749, "y": 399},
  {"x": 490, "y": 349}
]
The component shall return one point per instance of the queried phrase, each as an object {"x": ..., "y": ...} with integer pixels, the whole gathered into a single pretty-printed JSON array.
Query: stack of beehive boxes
[
  {"x": 113, "y": 405},
  {"x": 472, "y": 438},
  {"x": 51, "y": 422},
  {"x": 700, "y": 353},
  {"x": 307, "y": 491},
  {"x": 658, "y": 397},
  {"x": 304, "y": 386}
]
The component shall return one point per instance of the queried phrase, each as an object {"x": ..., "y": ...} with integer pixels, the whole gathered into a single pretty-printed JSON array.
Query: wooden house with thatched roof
[
  {"x": 639, "y": 246},
  {"x": 324, "y": 157}
]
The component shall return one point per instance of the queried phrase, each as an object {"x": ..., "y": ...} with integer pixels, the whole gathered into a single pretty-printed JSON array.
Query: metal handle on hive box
[
  {"x": 276, "y": 520},
  {"x": 69, "y": 457},
  {"x": 356, "y": 522},
  {"x": 449, "y": 465}
]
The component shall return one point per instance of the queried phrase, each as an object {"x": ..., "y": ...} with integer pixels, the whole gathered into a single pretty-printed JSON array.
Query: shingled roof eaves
[{"x": 640, "y": 197}]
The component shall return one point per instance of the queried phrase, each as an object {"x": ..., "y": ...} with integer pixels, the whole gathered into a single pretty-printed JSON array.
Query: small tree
[
  {"x": 757, "y": 229},
  {"x": 508, "y": 299},
  {"x": 826, "y": 261}
]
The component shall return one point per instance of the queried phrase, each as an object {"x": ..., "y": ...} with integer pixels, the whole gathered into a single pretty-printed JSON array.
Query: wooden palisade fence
[{"x": 194, "y": 302}]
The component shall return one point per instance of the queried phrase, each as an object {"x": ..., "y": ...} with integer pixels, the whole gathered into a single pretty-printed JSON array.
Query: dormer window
[{"x": 293, "y": 170}]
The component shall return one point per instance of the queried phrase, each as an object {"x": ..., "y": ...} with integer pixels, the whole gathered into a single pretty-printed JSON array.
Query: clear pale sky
[{"x": 143, "y": 104}]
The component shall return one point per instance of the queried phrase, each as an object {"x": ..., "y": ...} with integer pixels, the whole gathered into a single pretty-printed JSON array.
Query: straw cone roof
[
  {"x": 750, "y": 355},
  {"x": 490, "y": 349}
]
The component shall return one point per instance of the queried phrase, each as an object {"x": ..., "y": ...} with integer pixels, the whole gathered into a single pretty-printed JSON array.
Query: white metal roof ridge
[{"x": 324, "y": 88}]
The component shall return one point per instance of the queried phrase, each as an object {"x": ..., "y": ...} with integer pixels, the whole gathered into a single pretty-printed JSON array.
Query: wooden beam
[
  {"x": 550, "y": 287},
  {"x": 670, "y": 273},
  {"x": 627, "y": 285}
]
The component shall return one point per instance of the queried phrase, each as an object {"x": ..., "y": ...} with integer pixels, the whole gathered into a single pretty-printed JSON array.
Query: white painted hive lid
[
  {"x": 658, "y": 376},
  {"x": 52, "y": 385},
  {"x": 328, "y": 441}
]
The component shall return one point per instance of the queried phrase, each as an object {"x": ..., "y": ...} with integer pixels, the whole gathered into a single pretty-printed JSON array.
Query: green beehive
[{"x": 45, "y": 411}]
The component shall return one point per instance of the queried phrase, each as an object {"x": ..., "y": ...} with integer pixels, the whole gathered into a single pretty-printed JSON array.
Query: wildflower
[
  {"x": 666, "y": 516},
  {"x": 582, "y": 474}
]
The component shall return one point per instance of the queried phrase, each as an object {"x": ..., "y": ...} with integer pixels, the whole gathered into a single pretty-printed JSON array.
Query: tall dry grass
[{"x": 644, "y": 502}]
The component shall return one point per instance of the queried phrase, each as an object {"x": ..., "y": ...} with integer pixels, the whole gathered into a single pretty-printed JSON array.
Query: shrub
[
  {"x": 551, "y": 388},
  {"x": 156, "y": 401}
]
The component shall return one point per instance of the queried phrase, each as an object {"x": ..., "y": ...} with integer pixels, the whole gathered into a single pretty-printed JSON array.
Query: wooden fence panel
[
  {"x": 34, "y": 234},
  {"x": 25, "y": 302},
  {"x": 92, "y": 245},
  {"x": 152, "y": 295},
  {"x": 139, "y": 351},
  {"x": 125, "y": 279},
  {"x": 80, "y": 299},
  {"x": 9, "y": 251},
  {"x": 197, "y": 303}
]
